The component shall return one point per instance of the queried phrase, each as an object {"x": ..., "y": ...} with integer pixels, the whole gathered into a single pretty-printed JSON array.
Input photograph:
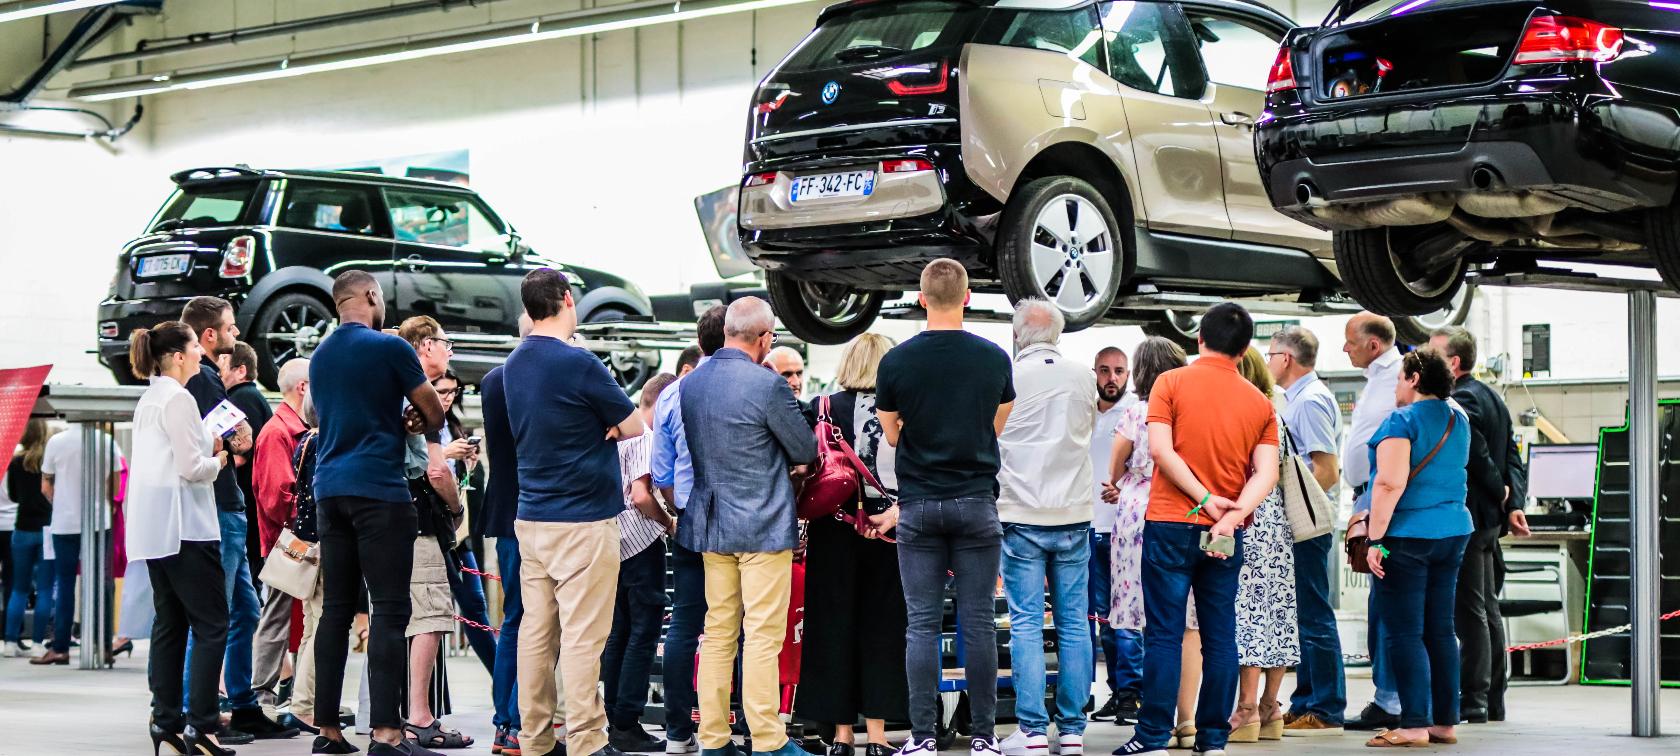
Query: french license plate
[
  {"x": 163, "y": 265},
  {"x": 848, "y": 184}
]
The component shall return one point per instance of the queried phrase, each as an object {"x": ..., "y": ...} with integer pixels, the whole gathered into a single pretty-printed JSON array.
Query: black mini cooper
[
  {"x": 271, "y": 241},
  {"x": 1436, "y": 135}
]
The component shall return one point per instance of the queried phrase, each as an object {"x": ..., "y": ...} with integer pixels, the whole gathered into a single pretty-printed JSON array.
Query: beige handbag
[
  {"x": 1304, "y": 501},
  {"x": 293, "y": 565}
]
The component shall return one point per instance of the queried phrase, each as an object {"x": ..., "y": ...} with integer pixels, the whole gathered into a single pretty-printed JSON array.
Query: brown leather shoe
[
  {"x": 50, "y": 657},
  {"x": 1309, "y": 725}
]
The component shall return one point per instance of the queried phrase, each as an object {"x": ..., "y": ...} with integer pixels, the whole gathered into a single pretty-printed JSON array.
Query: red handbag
[{"x": 839, "y": 474}]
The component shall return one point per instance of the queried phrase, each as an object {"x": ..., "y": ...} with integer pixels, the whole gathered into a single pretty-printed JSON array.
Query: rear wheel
[
  {"x": 1181, "y": 328},
  {"x": 629, "y": 368},
  {"x": 287, "y": 327},
  {"x": 822, "y": 313},
  {"x": 1662, "y": 232},
  {"x": 1060, "y": 242},
  {"x": 1416, "y": 329},
  {"x": 1405, "y": 270}
]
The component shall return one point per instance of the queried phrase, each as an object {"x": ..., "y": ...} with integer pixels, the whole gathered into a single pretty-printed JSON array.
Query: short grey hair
[
  {"x": 747, "y": 318},
  {"x": 1037, "y": 322},
  {"x": 1301, "y": 344},
  {"x": 1461, "y": 343},
  {"x": 783, "y": 352},
  {"x": 294, "y": 372}
]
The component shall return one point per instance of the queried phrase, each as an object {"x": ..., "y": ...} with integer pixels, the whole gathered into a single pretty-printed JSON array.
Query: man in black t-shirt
[
  {"x": 239, "y": 375},
  {"x": 943, "y": 397}
]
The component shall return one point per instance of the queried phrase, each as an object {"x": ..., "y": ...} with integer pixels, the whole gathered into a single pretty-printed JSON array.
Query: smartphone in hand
[{"x": 1226, "y": 545}]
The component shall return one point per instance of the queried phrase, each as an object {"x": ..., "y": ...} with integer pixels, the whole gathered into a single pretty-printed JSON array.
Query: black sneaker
[
  {"x": 1373, "y": 719},
  {"x": 1110, "y": 709},
  {"x": 254, "y": 721},
  {"x": 633, "y": 739},
  {"x": 1128, "y": 711},
  {"x": 610, "y": 750},
  {"x": 233, "y": 736},
  {"x": 325, "y": 746},
  {"x": 1134, "y": 748}
]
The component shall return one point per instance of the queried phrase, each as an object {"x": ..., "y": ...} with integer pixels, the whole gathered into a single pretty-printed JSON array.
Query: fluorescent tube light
[
  {"x": 19, "y": 11},
  {"x": 595, "y": 21}
]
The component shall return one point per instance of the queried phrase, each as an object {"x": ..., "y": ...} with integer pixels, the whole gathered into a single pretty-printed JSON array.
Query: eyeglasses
[
  {"x": 792, "y": 373},
  {"x": 1270, "y": 355},
  {"x": 448, "y": 346},
  {"x": 451, "y": 392}
]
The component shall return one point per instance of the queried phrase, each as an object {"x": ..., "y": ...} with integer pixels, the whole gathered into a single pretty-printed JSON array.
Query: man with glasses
[
  {"x": 1122, "y": 650},
  {"x": 1313, "y": 420}
]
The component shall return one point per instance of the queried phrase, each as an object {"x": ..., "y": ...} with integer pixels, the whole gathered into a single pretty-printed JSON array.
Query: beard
[{"x": 1110, "y": 392}]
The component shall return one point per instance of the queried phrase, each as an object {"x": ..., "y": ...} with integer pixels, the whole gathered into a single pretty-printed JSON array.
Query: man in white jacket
[{"x": 1044, "y": 503}]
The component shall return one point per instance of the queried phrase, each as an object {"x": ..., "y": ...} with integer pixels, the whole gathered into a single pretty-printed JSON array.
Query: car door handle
[
  {"x": 414, "y": 263},
  {"x": 1238, "y": 119}
]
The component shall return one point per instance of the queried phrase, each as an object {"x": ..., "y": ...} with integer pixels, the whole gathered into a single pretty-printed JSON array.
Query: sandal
[
  {"x": 434, "y": 736},
  {"x": 1241, "y": 730},
  {"x": 1392, "y": 739},
  {"x": 1271, "y": 722},
  {"x": 1443, "y": 739},
  {"x": 1183, "y": 736}
]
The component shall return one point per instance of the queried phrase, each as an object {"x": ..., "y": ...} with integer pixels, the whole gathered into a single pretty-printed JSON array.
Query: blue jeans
[
  {"x": 936, "y": 538},
  {"x": 67, "y": 559},
  {"x": 1173, "y": 564},
  {"x": 1032, "y": 555},
  {"x": 1418, "y": 597},
  {"x": 469, "y": 595},
  {"x": 1320, "y": 687},
  {"x": 504, "y": 676},
  {"x": 627, "y": 659},
  {"x": 29, "y": 573},
  {"x": 1376, "y": 642},
  {"x": 1122, "y": 650},
  {"x": 682, "y": 639}
]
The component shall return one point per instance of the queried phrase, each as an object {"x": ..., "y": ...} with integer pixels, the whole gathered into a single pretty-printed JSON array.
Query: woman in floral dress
[
  {"x": 1267, "y": 639},
  {"x": 1131, "y": 471}
]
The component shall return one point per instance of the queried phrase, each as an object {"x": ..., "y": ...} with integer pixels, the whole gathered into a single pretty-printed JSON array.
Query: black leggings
[
  {"x": 182, "y": 603},
  {"x": 364, "y": 539}
]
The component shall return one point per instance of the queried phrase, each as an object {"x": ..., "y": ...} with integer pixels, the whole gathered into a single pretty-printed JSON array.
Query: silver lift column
[
  {"x": 96, "y": 550},
  {"x": 1643, "y": 518}
]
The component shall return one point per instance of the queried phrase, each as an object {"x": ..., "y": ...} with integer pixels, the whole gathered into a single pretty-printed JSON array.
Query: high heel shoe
[
  {"x": 162, "y": 737},
  {"x": 1244, "y": 733},
  {"x": 1271, "y": 722},
  {"x": 200, "y": 744},
  {"x": 127, "y": 647}
]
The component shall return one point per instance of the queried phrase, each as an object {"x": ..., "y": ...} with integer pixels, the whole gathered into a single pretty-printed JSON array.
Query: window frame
[
  {"x": 1255, "y": 22},
  {"x": 1168, "y": 10},
  {"x": 470, "y": 198},
  {"x": 381, "y": 218},
  {"x": 996, "y": 23}
]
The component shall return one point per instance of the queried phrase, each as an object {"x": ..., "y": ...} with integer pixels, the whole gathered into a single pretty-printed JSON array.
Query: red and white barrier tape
[{"x": 1557, "y": 642}]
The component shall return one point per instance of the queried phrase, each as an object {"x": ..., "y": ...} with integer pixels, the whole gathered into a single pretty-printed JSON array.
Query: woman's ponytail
[
  {"x": 148, "y": 346},
  {"x": 140, "y": 360}
]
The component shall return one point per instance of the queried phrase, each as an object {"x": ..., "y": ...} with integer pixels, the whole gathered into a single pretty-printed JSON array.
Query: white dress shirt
[
  {"x": 1375, "y": 403},
  {"x": 1102, "y": 450},
  {"x": 1045, "y": 449},
  {"x": 62, "y": 459},
  {"x": 171, "y": 493}
]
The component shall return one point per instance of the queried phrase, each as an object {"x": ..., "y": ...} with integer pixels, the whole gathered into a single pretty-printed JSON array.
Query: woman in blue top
[{"x": 1419, "y": 527}]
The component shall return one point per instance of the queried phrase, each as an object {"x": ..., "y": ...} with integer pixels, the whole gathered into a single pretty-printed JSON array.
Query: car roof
[{"x": 226, "y": 173}]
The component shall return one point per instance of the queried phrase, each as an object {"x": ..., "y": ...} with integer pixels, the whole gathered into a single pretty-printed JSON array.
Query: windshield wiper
[
  {"x": 172, "y": 223},
  {"x": 866, "y": 52}
]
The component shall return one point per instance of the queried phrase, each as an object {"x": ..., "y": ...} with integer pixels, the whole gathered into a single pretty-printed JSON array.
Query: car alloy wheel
[
  {"x": 1179, "y": 327},
  {"x": 1416, "y": 329},
  {"x": 1072, "y": 252},
  {"x": 287, "y": 327},
  {"x": 821, "y": 312},
  {"x": 1403, "y": 271}
]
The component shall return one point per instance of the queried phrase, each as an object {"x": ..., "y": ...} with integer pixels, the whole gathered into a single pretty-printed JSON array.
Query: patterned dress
[
  {"x": 1126, "y": 546},
  {"x": 1266, "y": 631}
]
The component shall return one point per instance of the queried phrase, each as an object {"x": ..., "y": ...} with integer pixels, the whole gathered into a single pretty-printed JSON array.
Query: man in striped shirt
[{"x": 628, "y": 659}]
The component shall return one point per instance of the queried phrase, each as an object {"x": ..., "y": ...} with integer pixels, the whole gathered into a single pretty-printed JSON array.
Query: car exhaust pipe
[
  {"x": 1306, "y": 194},
  {"x": 1484, "y": 177}
]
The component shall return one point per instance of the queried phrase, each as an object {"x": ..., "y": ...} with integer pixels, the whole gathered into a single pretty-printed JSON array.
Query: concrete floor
[{"x": 52, "y": 710}]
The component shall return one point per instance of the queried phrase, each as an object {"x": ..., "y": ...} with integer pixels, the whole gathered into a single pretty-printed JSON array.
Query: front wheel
[
  {"x": 1416, "y": 329},
  {"x": 1060, "y": 242},
  {"x": 822, "y": 313},
  {"x": 1403, "y": 271}
]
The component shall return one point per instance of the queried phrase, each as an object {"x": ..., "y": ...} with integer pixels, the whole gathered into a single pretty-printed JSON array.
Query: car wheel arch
[
  {"x": 283, "y": 281},
  {"x": 610, "y": 297},
  {"x": 1086, "y": 161}
]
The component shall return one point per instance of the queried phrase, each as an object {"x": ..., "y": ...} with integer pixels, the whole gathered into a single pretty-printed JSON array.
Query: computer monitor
[{"x": 1562, "y": 471}]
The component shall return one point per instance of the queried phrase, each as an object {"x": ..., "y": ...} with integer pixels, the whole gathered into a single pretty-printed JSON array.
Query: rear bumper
[
  {"x": 1593, "y": 153},
  {"x": 119, "y": 317}
]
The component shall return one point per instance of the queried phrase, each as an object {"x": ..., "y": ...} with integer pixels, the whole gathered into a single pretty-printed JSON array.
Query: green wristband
[{"x": 1383, "y": 550}]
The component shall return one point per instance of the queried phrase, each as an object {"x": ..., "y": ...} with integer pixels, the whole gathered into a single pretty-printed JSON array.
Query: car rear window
[
  {"x": 209, "y": 204},
  {"x": 877, "y": 32}
]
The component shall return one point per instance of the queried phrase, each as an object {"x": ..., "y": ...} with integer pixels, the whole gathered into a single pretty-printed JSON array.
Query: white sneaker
[
  {"x": 1209, "y": 752},
  {"x": 16, "y": 651},
  {"x": 1070, "y": 744},
  {"x": 1023, "y": 743},
  {"x": 989, "y": 747},
  {"x": 914, "y": 747},
  {"x": 674, "y": 747}
]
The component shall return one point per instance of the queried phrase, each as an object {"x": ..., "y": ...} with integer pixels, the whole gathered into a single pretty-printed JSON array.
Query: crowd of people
[{"x": 1139, "y": 497}]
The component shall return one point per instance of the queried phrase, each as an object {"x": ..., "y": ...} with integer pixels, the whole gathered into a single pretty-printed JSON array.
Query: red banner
[{"x": 19, "y": 388}]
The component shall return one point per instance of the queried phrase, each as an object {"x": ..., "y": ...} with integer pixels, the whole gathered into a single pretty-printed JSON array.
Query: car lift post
[
  {"x": 1644, "y": 520},
  {"x": 1643, "y": 450}
]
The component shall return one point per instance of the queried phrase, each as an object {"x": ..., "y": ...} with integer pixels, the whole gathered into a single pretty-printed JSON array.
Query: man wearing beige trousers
[
  {"x": 744, "y": 440},
  {"x": 567, "y": 415}
]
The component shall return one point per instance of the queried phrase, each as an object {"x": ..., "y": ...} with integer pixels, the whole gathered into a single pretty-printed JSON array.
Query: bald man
[{"x": 790, "y": 365}]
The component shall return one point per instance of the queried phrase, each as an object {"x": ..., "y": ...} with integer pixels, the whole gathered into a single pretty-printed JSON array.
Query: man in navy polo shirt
[
  {"x": 567, "y": 415},
  {"x": 358, "y": 379}
]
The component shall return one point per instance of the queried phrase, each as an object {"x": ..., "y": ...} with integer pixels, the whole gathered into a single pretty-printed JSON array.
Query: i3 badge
[{"x": 830, "y": 92}]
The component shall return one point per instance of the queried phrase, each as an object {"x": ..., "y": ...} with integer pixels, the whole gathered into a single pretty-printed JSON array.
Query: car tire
[
  {"x": 1415, "y": 330},
  {"x": 822, "y": 313},
  {"x": 288, "y": 326},
  {"x": 1662, "y": 234},
  {"x": 1040, "y": 252},
  {"x": 630, "y": 372},
  {"x": 1181, "y": 328},
  {"x": 1370, "y": 269}
]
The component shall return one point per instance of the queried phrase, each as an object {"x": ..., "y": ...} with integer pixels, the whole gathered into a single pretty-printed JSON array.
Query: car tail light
[
  {"x": 907, "y": 165},
  {"x": 1566, "y": 39},
  {"x": 771, "y": 106},
  {"x": 902, "y": 89},
  {"x": 108, "y": 329},
  {"x": 761, "y": 179},
  {"x": 236, "y": 260},
  {"x": 1282, "y": 77}
]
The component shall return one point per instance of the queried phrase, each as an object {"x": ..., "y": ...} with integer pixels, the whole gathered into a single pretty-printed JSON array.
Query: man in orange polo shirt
[{"x": 1214, "y": 439}]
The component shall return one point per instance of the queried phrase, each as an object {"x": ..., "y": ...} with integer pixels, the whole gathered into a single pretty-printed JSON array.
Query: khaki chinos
[
  {"x": 750, "y": 591},
  {"x": 568, "y": 576}
]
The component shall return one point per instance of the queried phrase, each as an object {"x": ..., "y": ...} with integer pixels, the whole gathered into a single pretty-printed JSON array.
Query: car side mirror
[{"x": 516, "y": 246}]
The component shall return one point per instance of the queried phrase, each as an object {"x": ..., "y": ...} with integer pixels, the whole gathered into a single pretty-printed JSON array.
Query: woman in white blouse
[{"x": 172, "y": 526}]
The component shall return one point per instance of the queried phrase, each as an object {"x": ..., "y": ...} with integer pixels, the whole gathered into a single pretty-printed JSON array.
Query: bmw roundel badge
[{"x": 830, "y": 92}]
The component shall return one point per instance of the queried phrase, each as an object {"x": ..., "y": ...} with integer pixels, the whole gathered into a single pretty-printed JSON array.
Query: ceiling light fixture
[
  {"x": 576, "y": 24},
  {"x": 20, "y": 11}
]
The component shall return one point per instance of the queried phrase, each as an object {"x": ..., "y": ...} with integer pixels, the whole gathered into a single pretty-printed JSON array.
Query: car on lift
[
  {"x": 1082, "y": 152},
  {"x": 270, "y": 242},
  {"x": 1538, "y": 130}
]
